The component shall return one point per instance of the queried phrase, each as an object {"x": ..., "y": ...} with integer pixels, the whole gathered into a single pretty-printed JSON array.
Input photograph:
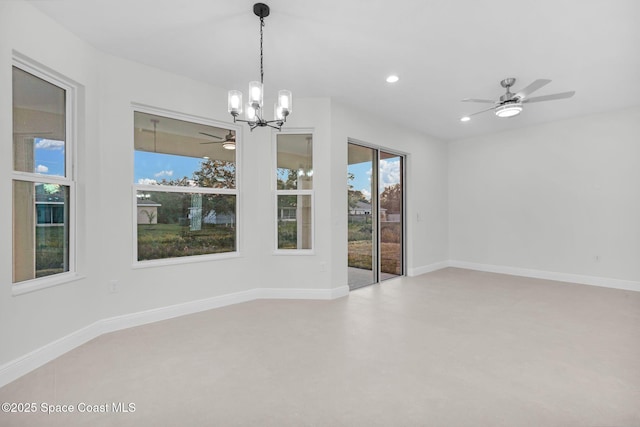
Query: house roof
[
  {"x": 147, "y": 202},
  {"x": 362, "y": 205}
]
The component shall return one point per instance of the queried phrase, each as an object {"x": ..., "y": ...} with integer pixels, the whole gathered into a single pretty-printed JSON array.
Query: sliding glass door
[
  {"x": 391, "y": 214},
  {"x": 376, "y": 215}
]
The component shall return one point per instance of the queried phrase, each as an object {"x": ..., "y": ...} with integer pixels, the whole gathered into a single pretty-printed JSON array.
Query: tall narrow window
[
  {"x": 294, "y": 191},
  {"x": 185, "y": 187},
  {"x": 43, "y": 185}
]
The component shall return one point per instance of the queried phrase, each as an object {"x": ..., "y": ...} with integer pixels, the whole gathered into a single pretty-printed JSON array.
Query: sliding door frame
[{"x": 375, "y": 206}]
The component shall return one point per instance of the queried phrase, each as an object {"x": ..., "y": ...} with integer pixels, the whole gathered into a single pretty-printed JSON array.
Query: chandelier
[{"x": 254, "y": 114}]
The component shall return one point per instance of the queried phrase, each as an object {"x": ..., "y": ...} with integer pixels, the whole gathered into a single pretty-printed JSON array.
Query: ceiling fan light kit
[
  {"x": 509, "y": 110},
  {"x": 228, "y": 142},
  {"x": 254, "y": 113},
  {"x": 510, "y": 104}
]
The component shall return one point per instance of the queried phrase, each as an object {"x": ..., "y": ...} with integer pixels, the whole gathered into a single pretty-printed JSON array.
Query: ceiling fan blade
[
  {"x": 213, "y": 142},
  {"x": 212, "y": 136},
  {"x": 532, "y": 88},
  {"x": 484, "y": 101},
  {"x": 562, "y": 95},
  {"x": 480, "y": 112}
]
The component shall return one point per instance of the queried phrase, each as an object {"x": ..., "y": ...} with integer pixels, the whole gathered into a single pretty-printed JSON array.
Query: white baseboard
[
  {"x": 16, "y": 368},
  {"x": 549, "y": 275},
  {"x": 427, "y": 268}
]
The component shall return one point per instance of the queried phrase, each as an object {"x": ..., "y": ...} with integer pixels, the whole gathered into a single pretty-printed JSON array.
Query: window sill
[
  {"x": 33, "y": 285},
  {"x": 294, "y": 252},
  {"x": 184, "y": 260}
]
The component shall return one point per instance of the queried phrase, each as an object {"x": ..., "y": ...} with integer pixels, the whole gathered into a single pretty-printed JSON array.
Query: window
[
  {"x": 185, "y": 187},
  {"x": 294, "y": 191},
  {"x": 43, "y": 182}
]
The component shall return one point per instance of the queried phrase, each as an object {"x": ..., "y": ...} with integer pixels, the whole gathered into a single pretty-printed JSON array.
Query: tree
[
  {"x": 355, "y": 196},
  {"x": 212, "y": 174},
  {"x": 216, "y": 174},
  {"x": 391, "y": 199},
  {"x": 151, "y": 215},
  {"x": 287, "y": 179}
]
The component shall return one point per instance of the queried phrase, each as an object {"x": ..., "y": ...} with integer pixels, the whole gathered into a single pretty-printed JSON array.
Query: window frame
[
  {"x": 141, "y": 108},
  {"x": 279, "y": 192},
  {"x": 68, "y": 180}
]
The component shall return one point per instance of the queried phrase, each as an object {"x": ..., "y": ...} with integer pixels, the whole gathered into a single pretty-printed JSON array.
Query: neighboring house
[
  {"x": 361, "y": 208},
  {"x": 216, "y": 218},
  {"x": 147, "y": 211},
  {"x": 50, "y": 207},
  {"x": 394, "y": 217},
  {"x": 287, "y": 213}
]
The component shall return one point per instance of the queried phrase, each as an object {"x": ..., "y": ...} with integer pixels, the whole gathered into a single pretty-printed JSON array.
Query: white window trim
[
  {"x": 277, "y": 192},
  {"x": 71, "y": 89},
  {"x": 136, "y": 264}
]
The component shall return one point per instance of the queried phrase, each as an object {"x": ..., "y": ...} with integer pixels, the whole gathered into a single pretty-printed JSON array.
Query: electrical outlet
[{"x": 113, "y": 286}]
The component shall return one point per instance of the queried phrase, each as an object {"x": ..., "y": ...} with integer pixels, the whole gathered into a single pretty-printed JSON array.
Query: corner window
[
  {"x": 185, "y": 187},
  {"x": 294, "y": 191},
  {"x": 43, "y": 183}
]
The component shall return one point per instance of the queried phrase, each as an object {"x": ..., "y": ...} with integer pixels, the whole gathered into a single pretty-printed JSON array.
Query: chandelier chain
[{"x": 261, "y": 66}]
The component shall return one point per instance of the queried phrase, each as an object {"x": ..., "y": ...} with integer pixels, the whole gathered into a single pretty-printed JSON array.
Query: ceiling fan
[
  {"x": 510, "y": 104},
  {"x": 228, "y": 142}
]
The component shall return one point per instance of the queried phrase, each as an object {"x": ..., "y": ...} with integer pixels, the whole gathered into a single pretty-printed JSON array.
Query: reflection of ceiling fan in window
[{"x": 228, "y": 142}]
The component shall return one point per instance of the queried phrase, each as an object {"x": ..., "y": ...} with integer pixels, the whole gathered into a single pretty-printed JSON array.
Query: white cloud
[
  {"x": 163, "y": 173},
  {"x": 366, "y": 193},
  {"x": 50, "y": 144},
  {"x": 147, "y": 181},
  {"x": 42, "y": 169},
  {"x": 389, "y": 172}
]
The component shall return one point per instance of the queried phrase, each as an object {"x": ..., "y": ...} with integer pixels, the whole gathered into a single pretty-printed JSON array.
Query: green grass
[
  {"x": 360, "y": 246},
  {"x": 159, "y": 241},
  {"x": 50, "y": 250}
]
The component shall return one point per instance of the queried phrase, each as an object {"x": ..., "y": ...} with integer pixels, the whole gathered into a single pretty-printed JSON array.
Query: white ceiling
[{"x": 443, "y": 51}]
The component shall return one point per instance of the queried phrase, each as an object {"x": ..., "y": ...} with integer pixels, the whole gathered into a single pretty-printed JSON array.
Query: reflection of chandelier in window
[{"x": 307, "y": 170}]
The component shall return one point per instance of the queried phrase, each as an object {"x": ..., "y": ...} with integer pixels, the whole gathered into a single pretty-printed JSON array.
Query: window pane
[
  {"x": 172, "y": 225},
  {"x": 294, "y": 222},
  {"x": 41, "y": 230},
  {"x": 38, "y": 125},
  {"x": 294, "y": 162},
  {"x": 180, "y": 153}
]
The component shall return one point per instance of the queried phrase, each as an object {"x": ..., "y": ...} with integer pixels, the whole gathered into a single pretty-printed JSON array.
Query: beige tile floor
[{"x": 449, "y": 348}]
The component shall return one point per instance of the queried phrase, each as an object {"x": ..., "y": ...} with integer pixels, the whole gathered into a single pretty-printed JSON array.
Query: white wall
[
  {"x": 551, "y": 197},
  {"x": 30, "y": 321},
  {"x": 426, "y": 186},
  {"x": 106, "y": 224}
]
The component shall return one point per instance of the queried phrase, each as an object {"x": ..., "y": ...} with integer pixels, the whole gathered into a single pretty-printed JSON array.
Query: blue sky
[
  {"x": 153, "y": 167},
  {"x": 389, "y": 175},
  {"x": 49, "y": 156}
]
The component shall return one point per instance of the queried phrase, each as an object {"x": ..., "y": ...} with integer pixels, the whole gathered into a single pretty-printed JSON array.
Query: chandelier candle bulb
[
  {"x": 284, "y": 101},
  {"x": 255, "y": 94},
  {"x": 251, "y": 114},
  {"x": 277, "y": 112},
  {"x": 235, "y": 102}
]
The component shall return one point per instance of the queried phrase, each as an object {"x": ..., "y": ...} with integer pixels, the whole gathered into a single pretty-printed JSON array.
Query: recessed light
[
  {"x": 392, "y": 78},
  {"x": 465, "y": 119}
]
